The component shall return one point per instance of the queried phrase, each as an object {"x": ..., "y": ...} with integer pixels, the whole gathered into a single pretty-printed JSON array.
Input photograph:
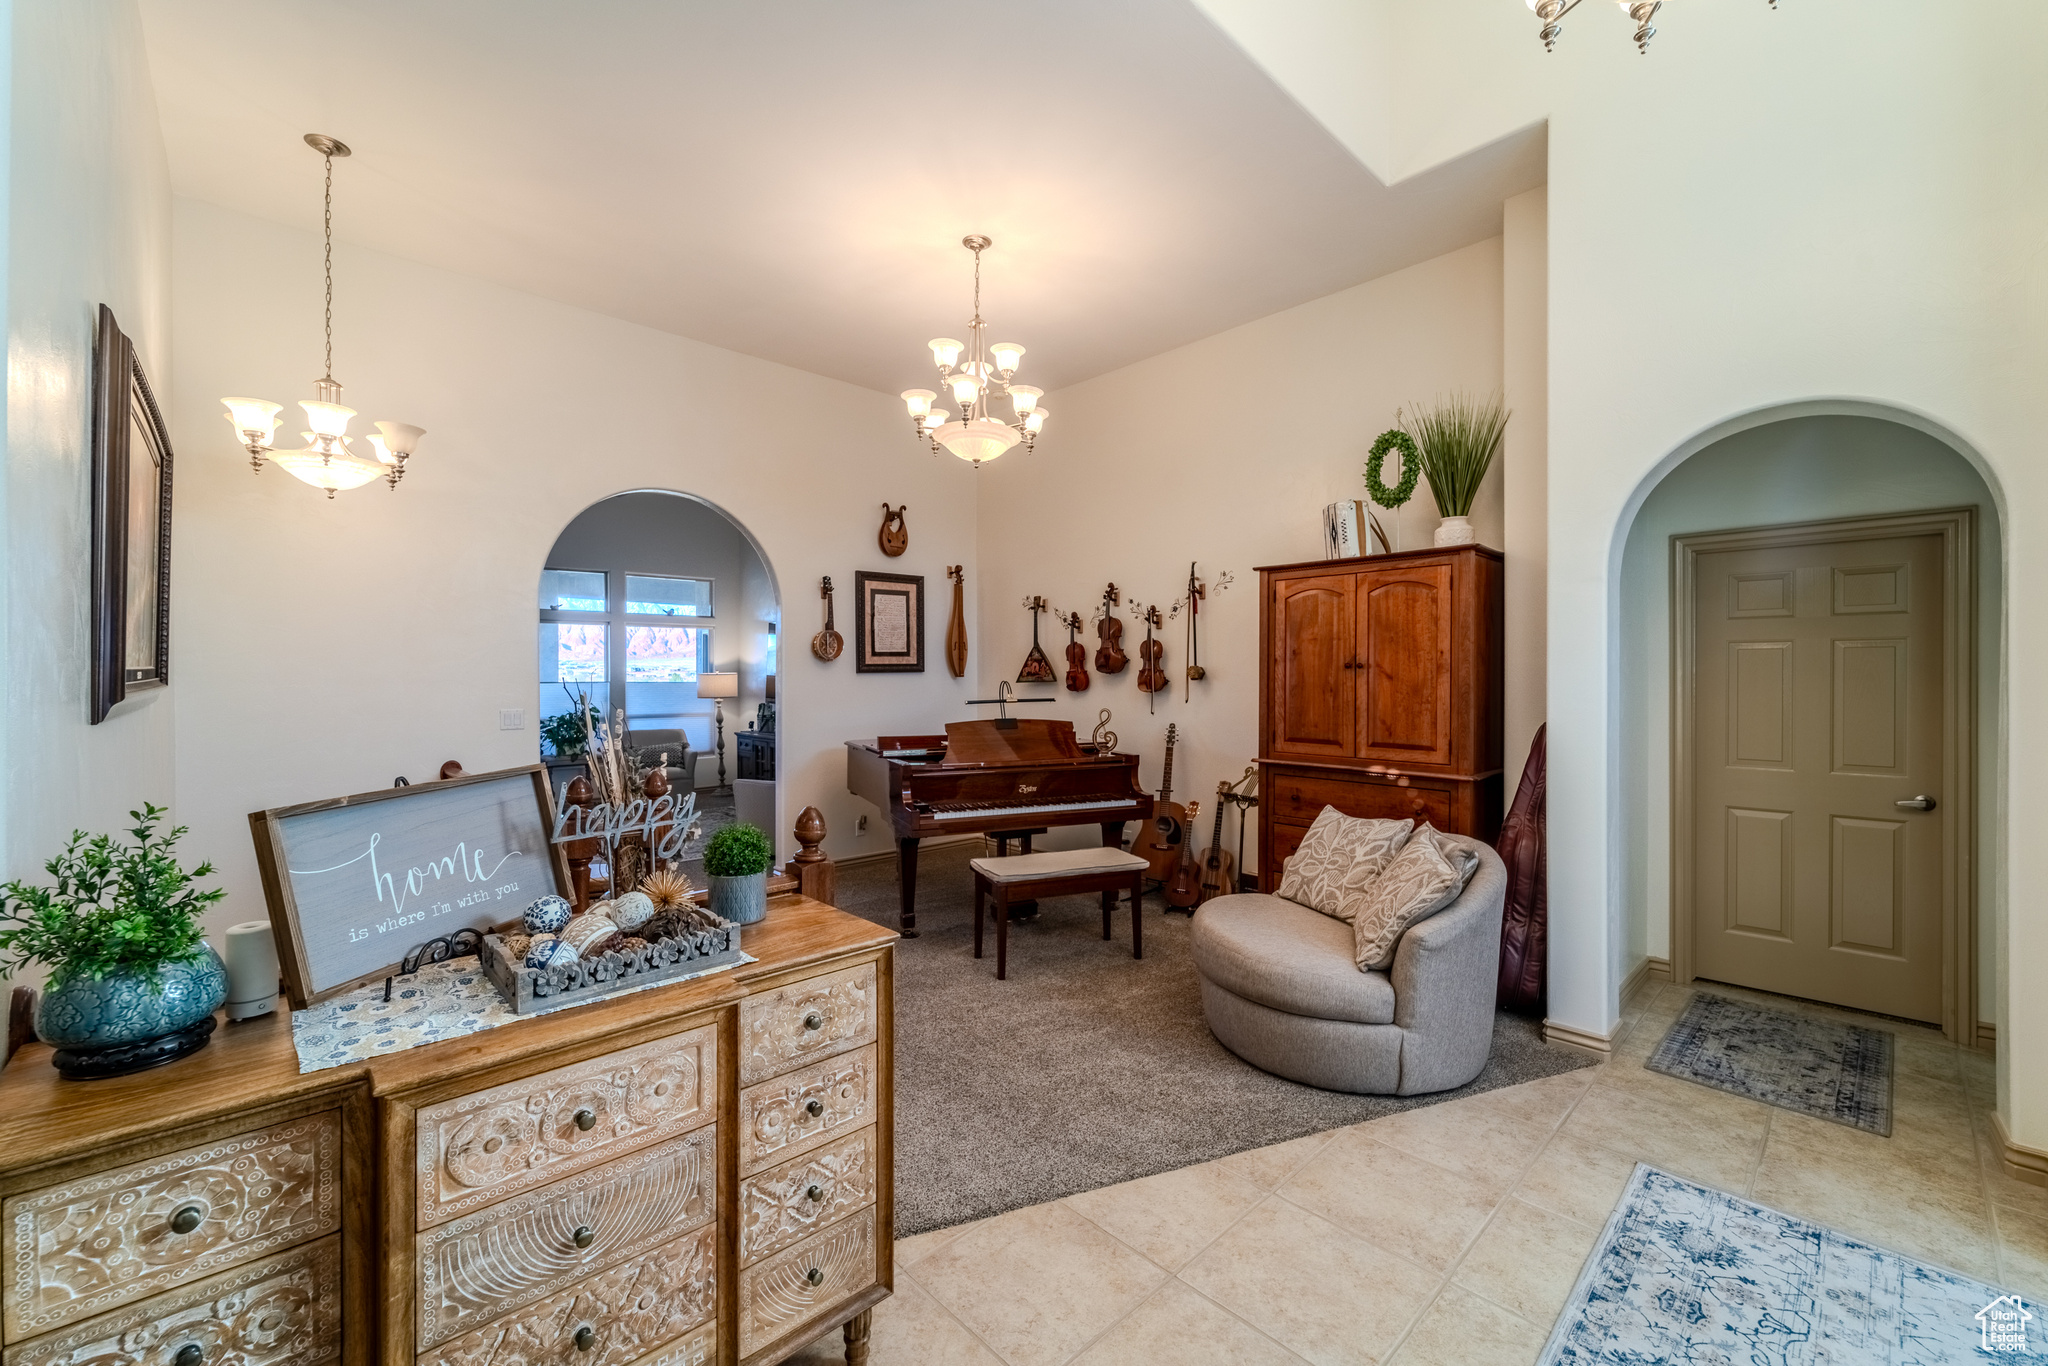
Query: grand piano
[{"x": 991, "y": 777}]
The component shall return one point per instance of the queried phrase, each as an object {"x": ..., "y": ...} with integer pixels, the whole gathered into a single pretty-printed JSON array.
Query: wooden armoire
[{"x": 1381, "y": 694}]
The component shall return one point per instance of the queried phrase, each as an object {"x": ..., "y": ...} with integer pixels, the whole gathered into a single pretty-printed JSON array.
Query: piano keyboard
[{"x": 983, "y": 810}]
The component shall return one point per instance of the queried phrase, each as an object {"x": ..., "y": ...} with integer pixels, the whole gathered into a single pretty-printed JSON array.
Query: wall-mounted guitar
[
  {"x": 1109, "y": 656},
  {"x": 1077, "y": 654},
  {"x": 1183, "y": 889},
  {"x": 1219, "y": 869},
  {"x": 1160, "y": 846}
]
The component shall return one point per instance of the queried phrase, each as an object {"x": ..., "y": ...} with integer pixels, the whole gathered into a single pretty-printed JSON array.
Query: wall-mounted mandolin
[
  {"x": 1109, "y": 655},
  {"x": 1077, "y": 655},
  {"x": 1160, "y": 845}
]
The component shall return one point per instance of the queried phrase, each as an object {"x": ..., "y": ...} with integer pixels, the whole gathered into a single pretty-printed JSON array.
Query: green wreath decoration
[{"x": 1411, "y": 469}]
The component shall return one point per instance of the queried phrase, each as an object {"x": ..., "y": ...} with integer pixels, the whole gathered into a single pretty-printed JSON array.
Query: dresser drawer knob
[
  {"x": 814, "y": 1193},
  {"x": 815, "y": 1276},
  {"x": 586, "y": 1119},
  {"x": 585, "y": 1235},
  {"x": 586, "y": 1338},
  {"x": 184, "y": 1220},
  {"x": 814, "y": 1108},
  {"x": 191, "y": 1354},
  {"x": 814, "y": 1021}
]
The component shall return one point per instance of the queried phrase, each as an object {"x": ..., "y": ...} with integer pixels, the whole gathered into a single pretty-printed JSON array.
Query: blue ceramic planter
[
  {"x": 742, "y": 900},
  {"x": 84, "y": 1015}
]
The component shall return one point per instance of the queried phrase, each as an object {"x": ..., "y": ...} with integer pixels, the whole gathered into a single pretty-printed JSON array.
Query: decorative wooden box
[{"x": 528, "y": 989}]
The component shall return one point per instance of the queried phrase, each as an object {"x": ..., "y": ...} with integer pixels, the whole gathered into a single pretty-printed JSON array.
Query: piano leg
[{"x": 906, "y": 878}]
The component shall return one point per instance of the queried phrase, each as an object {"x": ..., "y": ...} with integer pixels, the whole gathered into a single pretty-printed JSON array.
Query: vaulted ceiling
[{"x": 792, "y": 180}]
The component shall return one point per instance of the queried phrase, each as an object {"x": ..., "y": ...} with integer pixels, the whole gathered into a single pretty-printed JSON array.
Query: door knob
[{"x": 1922, "y": 803}]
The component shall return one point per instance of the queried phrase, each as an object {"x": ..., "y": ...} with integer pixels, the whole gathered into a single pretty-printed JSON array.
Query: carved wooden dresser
[{"x": 695, "y": 1173}]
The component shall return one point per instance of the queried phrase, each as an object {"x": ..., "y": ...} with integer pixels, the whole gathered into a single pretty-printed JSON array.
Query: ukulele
[
  {"x": 1077, "y": 656},
  {"x": 1151, "y": 661},
  {"x": 1109, "y": 656},
  {"x": 827, "y": 644},
  {"x": 1219, "y": 869},
  {"x": 1183, "y": 889},
  {"x": 1161, "y": 848}
]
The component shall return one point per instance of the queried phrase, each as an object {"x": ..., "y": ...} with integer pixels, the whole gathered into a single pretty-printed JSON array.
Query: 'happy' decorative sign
[{"x": 354, "y": 882}]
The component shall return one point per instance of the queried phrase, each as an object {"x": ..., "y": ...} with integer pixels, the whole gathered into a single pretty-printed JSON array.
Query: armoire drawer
[
  {"x": 786, "y": 1291},
  {"x": 621, "y": 1317},
  {"x": 819, "y": 1017},
  {"x": 698, "y": 1347},
  {"x": 499, "y": 1259},
  {"x": 479, "y": 1148},
  {"x": 1298, "y": 798},
  {"x": 796, "y": 1112},
  {"x": 281, "y": 1311},
  {"x": 784, "y": 1204},
  {"x": 82, "y": 1247}
]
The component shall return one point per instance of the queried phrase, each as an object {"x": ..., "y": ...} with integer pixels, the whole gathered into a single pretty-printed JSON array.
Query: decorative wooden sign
[{"x": 355, "y": 882}]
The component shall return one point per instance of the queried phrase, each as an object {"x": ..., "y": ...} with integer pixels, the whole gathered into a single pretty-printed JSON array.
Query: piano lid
[{"x": 980, "y": 743}]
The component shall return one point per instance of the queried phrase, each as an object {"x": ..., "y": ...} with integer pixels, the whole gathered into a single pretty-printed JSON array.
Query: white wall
[
  {"x": 1801, "y": 469},
  {"x": 659, "y": 533},
  {"x": 87, "y": 222},
  {"x": 1525, "y": 472},
  {"x": 329, "y": 646},
  {"x": 1224, "y": 452},
  {"x": 1826, "y": 200}
]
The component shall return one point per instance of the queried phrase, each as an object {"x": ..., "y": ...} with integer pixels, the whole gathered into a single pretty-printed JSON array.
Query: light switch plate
[{"x": 512, "y": 718}]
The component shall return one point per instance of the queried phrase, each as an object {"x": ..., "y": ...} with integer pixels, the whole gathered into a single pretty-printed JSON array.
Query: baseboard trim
[
  {"x": 2021, "y": 1162},
  {"x": 856, "y": 860},
  {"x": 1634, "y": 983},
  {"x": 1660, "y": 969},
  {"x": 1573, "y": 1037},
  {"x": 1987, "y": 1037}
]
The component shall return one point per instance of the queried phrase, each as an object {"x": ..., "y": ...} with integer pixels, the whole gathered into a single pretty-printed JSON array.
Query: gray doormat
[
  {"x": 1086, "y": 1068},
  {"x": 1837, "y": 1072}
]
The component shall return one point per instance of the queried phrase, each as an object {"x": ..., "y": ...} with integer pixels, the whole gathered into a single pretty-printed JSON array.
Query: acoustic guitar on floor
[{"x": 1160, "y": 845}]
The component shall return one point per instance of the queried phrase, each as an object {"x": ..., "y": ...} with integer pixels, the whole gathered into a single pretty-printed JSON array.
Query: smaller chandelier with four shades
[
  {"x": 975, "y": 383},
  {"x": 325, "y": 462}
]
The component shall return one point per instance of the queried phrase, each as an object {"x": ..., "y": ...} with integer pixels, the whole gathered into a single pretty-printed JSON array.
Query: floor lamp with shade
[{"x": 719, "y": 687}]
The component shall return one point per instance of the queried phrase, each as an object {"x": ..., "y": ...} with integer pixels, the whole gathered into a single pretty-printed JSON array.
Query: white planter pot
[{"x": 1454, "y": 531}]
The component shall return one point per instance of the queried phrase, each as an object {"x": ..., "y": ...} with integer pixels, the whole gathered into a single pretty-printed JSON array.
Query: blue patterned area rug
[
  {"x": 1813, "y": 1067},
  {"x": 1684, "y": 1274}
]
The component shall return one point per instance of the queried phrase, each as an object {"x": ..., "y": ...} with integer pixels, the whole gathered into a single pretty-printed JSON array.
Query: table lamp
[{"x": 719, "y": 687}]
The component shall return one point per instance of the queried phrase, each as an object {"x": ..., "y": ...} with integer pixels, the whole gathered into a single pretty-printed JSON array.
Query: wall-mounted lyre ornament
[
  {"x": 956, "y": 629},
  {"x": 1077, "y": 653},
  {"x": 1103, "y": 738},
  {"x": 1037, "y": 668},
  {"x": 1152, "y": 656},
  {"x": 894, "y": 537},
  {"x": 827, "y": 644},
  {"x": 1109, "y": 656}
]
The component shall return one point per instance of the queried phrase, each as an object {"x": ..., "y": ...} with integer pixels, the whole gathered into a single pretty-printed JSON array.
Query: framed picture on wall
[
  {"x": 888, "y": 628},
  {"x": 131, "y": 527}
]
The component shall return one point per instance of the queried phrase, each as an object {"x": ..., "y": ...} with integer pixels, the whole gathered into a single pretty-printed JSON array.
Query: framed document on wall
[
  {"x": 131, "y": 527},
  {"x": 888, "y": 628}
]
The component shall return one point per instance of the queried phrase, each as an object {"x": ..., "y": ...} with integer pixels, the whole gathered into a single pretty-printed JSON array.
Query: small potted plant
[
  {"x": 736, "y": 863},
  {"x": 567, "y": 733},
  {"x": 132, "y": 984},
  {"x": 1457, "y": 441}
]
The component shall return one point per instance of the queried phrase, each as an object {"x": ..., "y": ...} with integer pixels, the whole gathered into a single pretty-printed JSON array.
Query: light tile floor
[{"x": 1448, "y": 1234}]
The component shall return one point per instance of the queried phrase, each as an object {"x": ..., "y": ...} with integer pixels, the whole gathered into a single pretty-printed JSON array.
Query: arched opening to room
[
  {"x": 1794, "y": 645},
  {"x": 659, "y": 617}
]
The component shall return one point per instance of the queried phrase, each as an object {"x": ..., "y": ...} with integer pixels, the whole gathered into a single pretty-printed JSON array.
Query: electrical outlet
[
  {"x": 860, "y": 827},
  {"x": 512, "y": 718}
]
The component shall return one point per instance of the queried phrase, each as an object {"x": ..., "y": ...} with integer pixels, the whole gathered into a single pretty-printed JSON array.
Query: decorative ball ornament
[
  {"x": 632, "y": 910},
  {"x": 517, "y": 946},
  {"x": 549, "y": 952},
  {"x": 548, "y": 915},
  {"x": 1411, "y": 469},
  {"x": 587, "y": 930},
  {"x": 628, "y": 943},
  {"x": 665, "y": 888}
]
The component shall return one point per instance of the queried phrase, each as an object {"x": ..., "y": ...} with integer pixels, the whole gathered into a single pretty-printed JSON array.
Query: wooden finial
[
  {"x": 810, "y": 834},
  {"x": 817, "y": 876},
  {"x": 657, "y": 782}
]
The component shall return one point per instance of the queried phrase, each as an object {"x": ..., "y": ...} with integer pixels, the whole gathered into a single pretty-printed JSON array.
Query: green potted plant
[
  {"x": 132, "y": 983},
  {"x": 1456, "y": 442},
  {"x": 736, "y": 863},
  {"x": 567, "y": 733}
]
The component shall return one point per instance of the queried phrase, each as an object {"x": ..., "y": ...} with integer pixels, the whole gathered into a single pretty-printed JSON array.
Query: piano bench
[{"x": 1067, "y": 872}]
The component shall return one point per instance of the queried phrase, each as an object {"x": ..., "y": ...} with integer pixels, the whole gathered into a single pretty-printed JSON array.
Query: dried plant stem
[{"x": 1457, "y": 440}]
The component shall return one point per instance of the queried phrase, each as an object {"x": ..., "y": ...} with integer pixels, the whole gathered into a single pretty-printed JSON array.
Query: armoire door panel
[
  {"x": 1310, "y": 678},
  {"x": 1404, "y": 633}
]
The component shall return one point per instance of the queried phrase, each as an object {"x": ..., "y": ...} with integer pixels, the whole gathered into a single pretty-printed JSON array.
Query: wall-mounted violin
[
  {"x": 1109, "y": 656},
  {"x": 1077, "y": 655},
  {"x": 1152, "y": 655}
]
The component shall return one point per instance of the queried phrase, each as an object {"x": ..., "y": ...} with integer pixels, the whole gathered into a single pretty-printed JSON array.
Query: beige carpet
[{"x": 1085, "y": 1068}]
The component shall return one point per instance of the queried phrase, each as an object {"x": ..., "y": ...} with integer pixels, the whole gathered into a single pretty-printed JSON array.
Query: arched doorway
[
  {"x": 1802, "y": 468},
  {"x": 659, "y": 614}
]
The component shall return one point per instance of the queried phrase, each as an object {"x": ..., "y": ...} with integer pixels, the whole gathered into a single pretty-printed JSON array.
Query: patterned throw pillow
[
  {"x": 1426, "y": 875},
  {"x": 1315, "y": 875}
]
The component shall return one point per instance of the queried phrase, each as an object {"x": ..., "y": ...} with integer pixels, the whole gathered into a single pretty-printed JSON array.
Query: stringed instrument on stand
[
  {"x": 1160, "y": 844},
  {"x": 1219, "y": 869},
  {"x": 1109, "y": 655},
  {"x": 1183, "y": 888},
  {"x": 1077, "y": 655}
]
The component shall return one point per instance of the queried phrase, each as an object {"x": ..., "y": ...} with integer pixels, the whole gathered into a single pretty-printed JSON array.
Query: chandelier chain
[{"x": 327, "y": 226}]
